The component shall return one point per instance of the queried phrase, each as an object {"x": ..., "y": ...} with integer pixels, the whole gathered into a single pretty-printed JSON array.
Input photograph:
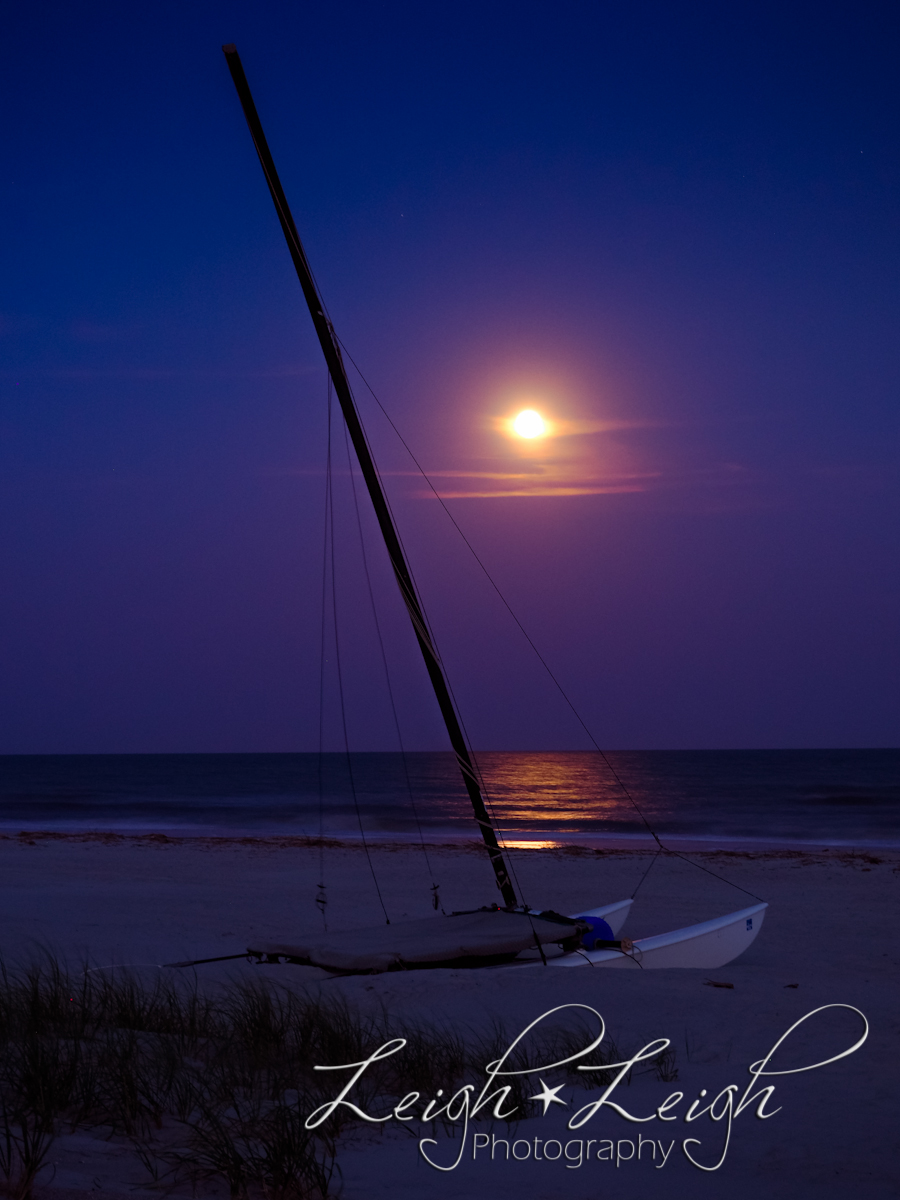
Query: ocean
[{"x": 784, "y": 797}]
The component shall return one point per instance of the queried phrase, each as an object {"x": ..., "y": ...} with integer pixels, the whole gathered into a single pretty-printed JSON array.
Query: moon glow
[{"x": 529, "y": 424}]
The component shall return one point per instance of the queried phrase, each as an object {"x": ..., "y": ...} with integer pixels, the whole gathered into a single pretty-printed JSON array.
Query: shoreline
[{"x": 630, "y": 844}]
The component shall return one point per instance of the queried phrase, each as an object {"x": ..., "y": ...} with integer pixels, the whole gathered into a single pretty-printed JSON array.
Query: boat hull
[{"x": 708, "y": 944}]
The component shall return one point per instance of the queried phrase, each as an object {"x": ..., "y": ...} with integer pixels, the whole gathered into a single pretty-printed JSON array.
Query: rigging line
[
  {"x": 489, "y": 805},
  {"x": 646, "y": 873},
  {"x": 321, "y": 895},
  {"x": 387, "y": 674},
  {"x": 700, "y": 867},
  {"x": 434, "y": 644},
  {"x": 422, "y": 613},
  {"x": 424, "y": 617},
  {"x": 337, "y": 656},
  {"x": 394, "y": 522},
  {"x": 296, "y": 248},
  {"x": 506, "y": 603},
  {"x": 528, "y": 639},
  {"x": 498, "y": 831}
]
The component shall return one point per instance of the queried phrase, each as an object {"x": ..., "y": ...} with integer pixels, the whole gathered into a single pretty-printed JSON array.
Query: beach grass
[{"x": 219, "y": 1084}]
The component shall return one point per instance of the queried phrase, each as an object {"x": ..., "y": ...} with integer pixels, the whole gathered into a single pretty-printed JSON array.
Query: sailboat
[{"x": 507, "y": 933}]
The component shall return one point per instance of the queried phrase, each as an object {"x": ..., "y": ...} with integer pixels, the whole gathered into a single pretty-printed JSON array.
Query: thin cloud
[
  {"x": 503, "y": 476},
  {"x": 537, "y": 483},
  {"x": 537, "y": 490}
]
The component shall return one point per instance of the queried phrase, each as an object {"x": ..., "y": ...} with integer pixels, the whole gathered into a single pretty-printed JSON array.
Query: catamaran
[{"x": 507, "y": 933}]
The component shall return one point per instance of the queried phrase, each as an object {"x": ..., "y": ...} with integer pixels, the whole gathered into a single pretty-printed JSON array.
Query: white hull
[{"x": 709, "y": 944}]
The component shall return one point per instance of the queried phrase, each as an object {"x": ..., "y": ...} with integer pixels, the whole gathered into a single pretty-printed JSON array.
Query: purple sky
[{"x": 671, "y": 229}]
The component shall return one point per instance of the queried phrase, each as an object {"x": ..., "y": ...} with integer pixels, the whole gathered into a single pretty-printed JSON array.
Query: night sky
[{"x": 673, "y": 229}]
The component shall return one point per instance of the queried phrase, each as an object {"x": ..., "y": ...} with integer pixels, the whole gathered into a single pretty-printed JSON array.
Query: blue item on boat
[{"x": 597, "y": 930}]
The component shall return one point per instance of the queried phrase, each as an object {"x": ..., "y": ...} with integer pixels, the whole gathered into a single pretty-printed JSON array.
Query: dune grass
[{"x": 219, "y": 1083}]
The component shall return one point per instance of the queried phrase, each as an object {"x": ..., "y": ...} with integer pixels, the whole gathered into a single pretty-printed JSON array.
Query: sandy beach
[{"x": 829, "y": 939}]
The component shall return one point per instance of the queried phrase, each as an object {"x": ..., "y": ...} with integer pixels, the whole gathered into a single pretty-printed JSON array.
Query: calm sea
[{"x": 818, "y": 796}]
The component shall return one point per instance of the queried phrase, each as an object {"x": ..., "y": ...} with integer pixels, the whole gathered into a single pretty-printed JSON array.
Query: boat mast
[{"x": 331, "y": 349}]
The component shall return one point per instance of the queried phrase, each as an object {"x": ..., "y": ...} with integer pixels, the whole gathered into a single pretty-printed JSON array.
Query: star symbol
[{"x": 548, "y": 1096}]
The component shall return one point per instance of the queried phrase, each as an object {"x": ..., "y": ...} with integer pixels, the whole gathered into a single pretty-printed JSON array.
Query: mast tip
[{"x": 231, "y": 48}]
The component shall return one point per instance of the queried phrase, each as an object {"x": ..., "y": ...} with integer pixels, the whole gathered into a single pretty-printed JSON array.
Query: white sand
[{"x": 831, "y": 929}]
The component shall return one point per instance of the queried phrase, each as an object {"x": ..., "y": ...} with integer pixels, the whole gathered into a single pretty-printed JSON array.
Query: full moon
[{"x": 529, "y": 424}]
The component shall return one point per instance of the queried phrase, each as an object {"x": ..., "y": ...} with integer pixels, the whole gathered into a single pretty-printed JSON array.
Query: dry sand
[{"x": 831, "y": 930}]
